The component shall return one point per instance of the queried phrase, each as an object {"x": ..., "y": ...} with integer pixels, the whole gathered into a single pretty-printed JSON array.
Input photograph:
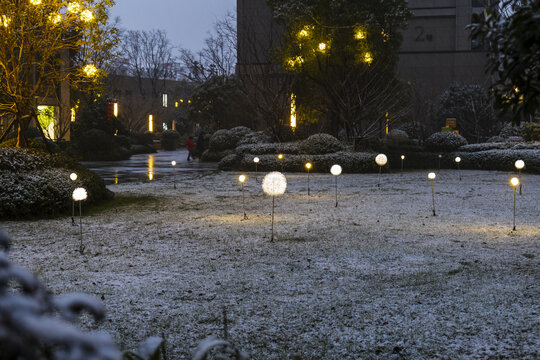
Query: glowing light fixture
[
  {"x": 322, "y": 46},
  {"x": 381, "y": 160},
  {"x": 402, "y": 157},
  {"x": 6, "y": 20},
  {"x": 514, "y": 182},
  {"x": 86, "y": 15},
  {"x": 74, "y": 8},
  {"x": 308, "y": 166},
  {"x": 115, "y": 109},
  {"x": 35, "y": 2},
  {"x": 79, "y": 194},
  {"x": 519, "y": 164},
  {"x": 336, "y": 171},
  {"x": 55, "y": 19},
  {"x": 90, "y": 70},
  {"x": 293, "y": 111},
  {"x": 256, "y": 161},
  {"x": 151, "y": 123},
  {"x": 274, "y": 184},
  {"x": 432, "y": 176},
  {"x": 280, "y": 158},
  {"x": 458, "y": 160},
  {"x": 360, "y": 34},
  {"x": 73, "y": 176},
  {"x": 368, "y": 58},
  {"x": 173, "y": 164},
  {"x": 242, "y": 179},
  {"x": 303, "y": 33}
]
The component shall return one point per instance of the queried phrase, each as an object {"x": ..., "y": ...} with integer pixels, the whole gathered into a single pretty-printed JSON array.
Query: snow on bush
[
  {"x": 445, "y": 141},
  {"x": 510, "y": 130},
  {"x": 495, "y": 139},
  {"x": 319, "y": 144},
  {"x": 258, "y": 137},
  {"x": 500, "y": 160},
  {"x": 33, "y": 184},
  {"x": 227, "y": 139},
  {"x": 269, "y": 148},
  {"x": 500, "y": 146}
]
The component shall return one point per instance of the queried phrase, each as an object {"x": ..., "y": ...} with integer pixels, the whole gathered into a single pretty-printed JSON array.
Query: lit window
[
  {"x": 115, "y": 109},
  {"x": 151, "y": 123},
  {"x": 165, "y": 100}
]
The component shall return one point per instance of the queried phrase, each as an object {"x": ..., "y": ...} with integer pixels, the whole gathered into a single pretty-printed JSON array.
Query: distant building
[{"x": 436, "y": 49}]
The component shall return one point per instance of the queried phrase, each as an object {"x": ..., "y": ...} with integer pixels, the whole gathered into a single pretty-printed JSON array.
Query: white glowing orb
[
  {"x": 256, "y": 160},
  {"x": 173, "y": 163},
  {"x": 308, "y": 165},
  {"x": 242, "y": 178},
  {"x": 73, "y": 176},
  {"x": 381, "y": 159},
  {"x": 519, "y": 164},
  {"x": 440, "y": 156},
  {"x": 335, "y": 170},
  {"x": 274, "y": 183},
  {"x": 402, "y": 157},
  {"x": 514, "y": 181},
  {"x": 431, "y": 176},
  {"x": 280, "y": 156},
  {"x": 79, "y": 194},
  {"x": 457, "y": 159}
]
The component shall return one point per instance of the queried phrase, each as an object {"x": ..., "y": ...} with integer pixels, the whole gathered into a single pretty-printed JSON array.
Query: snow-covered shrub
[
  {"x": 510, "y": 130},
  {"x": 445, "y": 141},
  {"x": 500, "y": 160},
  {"x": 215, "y": 156},
  {"x": 237, "y": 133},
  {"x": 320, "y": 144},
  {"x": 495, "y": 139},
  {"x": 514, "y": 139},
  {"x": 531, "y": 131},
  {"x": 269, "y": 148},
  {"x": 258, "y": 137},
  {"x": 227, "y": 139},
  {"x": 33, "y": 184},
  {"x": 229, "y": 162},
  {"x": 486, "y": 146},
  {"x": 37, "y": 325},
  {"x": 170, "y": 140}
]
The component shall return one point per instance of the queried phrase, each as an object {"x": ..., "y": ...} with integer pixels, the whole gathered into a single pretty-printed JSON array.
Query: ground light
[
  {"x": 256, "y": 160},
  {"x": 173, "y": 164},
  {"x": 515, "y": 183},
  {"x": 73, "y": 178},
  {"x": 274, "y": 184},
  {"x": 439, "y": 167},
  {"x": 381, "y": 160},
  {"x": 308, "y": 167},
  {"x": 458, "y": 160},
  {"x": 431, "y": 176},
  {"x": 79, "y": 194},
  {"x": 519, "y": 164},
  {"x": 242, "y": 179},
  {"x": 280, "y": 158},
  {"x": 402, "y": 159},
  {"x": 336, "y": 171}
]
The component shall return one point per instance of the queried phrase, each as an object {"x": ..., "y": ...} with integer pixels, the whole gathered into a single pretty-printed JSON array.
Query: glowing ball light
[
  {"x": 274, "y": 184},
  {"x": 514, "y": 181},
  {"x": 431, "y": 176},
  {"x": 242, "y": 178},
  {"x": 457, "y": 159},
  {"x": 519, "y": 164},
  {"x": 256, "y": 160},
  {"x": 335, "y": 170},
  {"x": 402, "y": 157},
  {"x": 381, "y": 159},
  {"x": 173, "y": 163},
  {"x": 73, "y": 176},
  {"x": 79, "y": 194}
]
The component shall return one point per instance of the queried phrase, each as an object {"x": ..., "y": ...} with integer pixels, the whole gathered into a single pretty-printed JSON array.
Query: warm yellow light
[
  {"x": 35, "y": 2},
  {"x": 381, "y": 159},
  {"x": 335, "y": 170},
  {"x": 115, "y": 109},
  {"x": 181, "y": 100},
  {"x": 74, "y": 7},
  {"x": 322, "y": 46},
  {"x": 293, "y": 111},
  {"x": 308, "y": 165},
  {"x": 431, "y": 176},
  {"x": 55, "y": 19},
  {"x": 151, "y": 123},
  {"x": 150, "y": 167},
  {"x": 402, "y": 157},
  {"x": 303, "y": 33},
  {"x": 189, "y": 101},
  {"x": 173, "y": 163},
  {"x": 256, "y": 160},
  {"x": 116, "y": 181},
  {"x": 280, "y": 156},
  {"x": 242, "y": 178},
  {"x": 6, "y": 20},
  {"x": 90, "y": 70},
  {"x": 79, "y": 194},
  {"x": 514, "y": 181},
  {"x": 73, "y": 176},
  {"x": 295, "y": 61},
  {"x": 519, "y": 164},
  {"x": 73, "y": 114},
  {"x": 457, "y": 159},
  {"x": 368, "y": 58},
  {"x": 360, "y": 34},
  {"x": 176, "y": 104},
  {"x": 87, "y": 16}
]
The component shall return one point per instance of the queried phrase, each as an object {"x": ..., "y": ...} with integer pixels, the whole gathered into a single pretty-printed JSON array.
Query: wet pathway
[{"x": 147, "y": 167}]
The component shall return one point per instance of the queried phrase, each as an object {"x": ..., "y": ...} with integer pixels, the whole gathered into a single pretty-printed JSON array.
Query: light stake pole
[
  {"x": 439, "y": 168},
  {"x": 173, "y": 163},
  {"x": 73, "y": 178},
  {"x": 280, "y": 158},
  {"x": 514, "y": 182},
  {"x": 381, "y": 160},
  {"x": 519, "y": 164},
  {"x": 308, "y": 167},
  {"x": 402, "y": 158},
  {"x": 432, "y": 176},
  {"x": 458, "y": 160},
  {"x": 80, "y": 194},
  {"x": 242, "y": 178},
  {"x": 336, "y": 171},
  {"x": 274, "y": 184},
  {"x": 256, "y": 161}
]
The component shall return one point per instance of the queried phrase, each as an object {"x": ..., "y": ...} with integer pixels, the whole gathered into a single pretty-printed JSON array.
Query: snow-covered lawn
[{"x": 377, "y": 277}]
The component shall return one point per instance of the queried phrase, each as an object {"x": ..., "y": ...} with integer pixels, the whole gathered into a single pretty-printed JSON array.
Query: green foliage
[
  {"x": 343, "y": 56},
  {"x": 472, "y": 108},
  {"x": 531, "y": 132},
  {"x": 512, "y": 35},
  {"x": 170, "y": 139}
]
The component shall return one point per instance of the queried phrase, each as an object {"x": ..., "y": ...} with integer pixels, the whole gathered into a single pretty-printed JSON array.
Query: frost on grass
[{"x": 377, "y": 277}]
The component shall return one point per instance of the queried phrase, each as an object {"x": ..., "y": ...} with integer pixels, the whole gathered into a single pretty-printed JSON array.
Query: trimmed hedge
[
  {"x": 319, "y": 144},
  {"x": 445, "y": 141}
]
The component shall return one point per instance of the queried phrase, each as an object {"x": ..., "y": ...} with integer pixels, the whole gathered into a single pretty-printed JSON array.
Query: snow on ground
[{"x": 377, "y": 277}]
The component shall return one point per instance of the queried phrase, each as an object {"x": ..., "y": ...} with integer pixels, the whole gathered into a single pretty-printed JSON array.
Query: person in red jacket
[{"x": 189, "y": 146}]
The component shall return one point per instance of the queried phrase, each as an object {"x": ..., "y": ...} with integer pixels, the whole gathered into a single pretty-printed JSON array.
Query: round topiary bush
[
  {"x": 445, "y": 141},
  {"x": 509, "y": 130},
  {"x": 220, "y": 141},
  {"x": 170, "y": 139},
  {"x": 258, "y": 137},
  {"x": 319, "y": 144},
  {"x": 397, "y": 137}
]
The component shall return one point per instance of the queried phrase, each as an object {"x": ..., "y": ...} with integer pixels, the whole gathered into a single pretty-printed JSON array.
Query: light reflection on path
[{"x": 147, "y": 167}]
